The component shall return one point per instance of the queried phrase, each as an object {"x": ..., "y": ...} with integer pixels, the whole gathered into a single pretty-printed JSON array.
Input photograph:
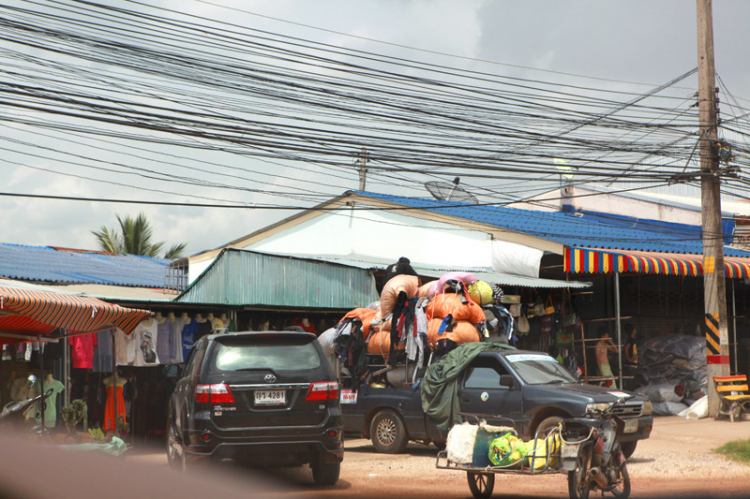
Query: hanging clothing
[
  {"x": 145, "y": 338},
  {"x": 217, "y": 323},
  {"x": 204, "y": 328},
  {"x": 123, "y": 348},
  {"x": 103, "y": 352},
  {"x": 188, "y": 337},
  {"x": 177, "y": 326},
  {"x": 164, "y": 342},
  {"x": 83, "y": 350},
  {"x": 110, "y": 421}
]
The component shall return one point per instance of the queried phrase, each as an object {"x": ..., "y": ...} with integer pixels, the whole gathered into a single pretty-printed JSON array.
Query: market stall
[{"x": 31, "y": 314}]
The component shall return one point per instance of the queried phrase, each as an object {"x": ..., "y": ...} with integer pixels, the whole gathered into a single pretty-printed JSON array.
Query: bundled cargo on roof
[{"x": 414, "y": 322}]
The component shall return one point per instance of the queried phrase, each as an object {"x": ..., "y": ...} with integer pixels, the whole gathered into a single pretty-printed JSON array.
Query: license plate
[
  {"x": 631, "y": 426},
  {"x": 570, "y": 450},
  {"x": 275, "y": 397}
]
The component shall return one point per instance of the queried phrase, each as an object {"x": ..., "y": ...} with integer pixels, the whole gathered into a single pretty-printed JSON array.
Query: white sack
[
  {"x": 460, "y": 443},
  {"x": 517, "y": 259},
  {"x": 699, "y": 409}
]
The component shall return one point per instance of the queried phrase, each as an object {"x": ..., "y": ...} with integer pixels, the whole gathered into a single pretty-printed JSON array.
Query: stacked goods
[
  {"x": 451, "y": 319},
  {"x": 672, "y": 367},
  {"x": 448, "y": 308},
  {"x": 365, "y": 316},
  {"x": 406, "y": 284}
]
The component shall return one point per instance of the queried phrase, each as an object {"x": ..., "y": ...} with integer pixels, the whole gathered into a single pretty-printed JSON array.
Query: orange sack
[
  {"x": 446, "y": 304},
  {"x": 365, "y": 315},
  {"x": 380, "y": 344},
  {"x": 463, "y": 332},
  {"x": 389, "y": 296}
]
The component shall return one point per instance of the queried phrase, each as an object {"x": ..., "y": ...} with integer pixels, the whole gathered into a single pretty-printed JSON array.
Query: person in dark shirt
[
  {"x": 631, "y": 352},
  {"x": 401, "y": 267}
]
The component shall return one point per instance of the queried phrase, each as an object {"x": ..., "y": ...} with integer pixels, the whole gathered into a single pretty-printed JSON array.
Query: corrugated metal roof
[
  {"x": 248, "y": 278},
  {"x": 41, "y": 263},
  {"x": 484, "y": 274},
  {"x": 570, "y": 229}
]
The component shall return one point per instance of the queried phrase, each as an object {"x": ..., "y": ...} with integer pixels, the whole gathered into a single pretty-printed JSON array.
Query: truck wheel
[
  {"x": 388, "y": 433},
  {"x": 628, "y": 448},
  {"x": 481, "y": 484},
  {"x": 548, "y": 424}
]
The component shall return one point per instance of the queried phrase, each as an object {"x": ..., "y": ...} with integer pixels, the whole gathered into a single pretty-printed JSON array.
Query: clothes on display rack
[
  {"x": 204, "y": 328},
  {"x": 177, "y": 325},
  {"x": 83, "y": 350},
  {"x": 145, "y": 338},
  {"x": 189, "y": 337},
  {"x": 165, "y": 345},
  {"x": 103, "y": 361}
]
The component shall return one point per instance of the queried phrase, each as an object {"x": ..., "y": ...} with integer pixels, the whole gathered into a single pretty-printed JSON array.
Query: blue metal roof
[
  {"x": 42, "y": 263},
  {"x": 572, "y": 229}
]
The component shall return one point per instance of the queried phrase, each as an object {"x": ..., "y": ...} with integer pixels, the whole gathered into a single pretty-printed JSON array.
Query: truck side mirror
[{"x": 506, "y": 381}]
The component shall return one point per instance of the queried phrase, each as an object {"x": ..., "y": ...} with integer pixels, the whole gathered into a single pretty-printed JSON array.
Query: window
[
  {"x": 484, "y": 372},
  {"x": 273, "y": 352},
  {"x": 482, "y": 377}
]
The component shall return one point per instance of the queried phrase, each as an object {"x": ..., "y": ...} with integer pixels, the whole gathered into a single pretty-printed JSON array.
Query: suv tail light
[
  {"x": 323, "y": 390},
  {"x": 213, "y": 394}
]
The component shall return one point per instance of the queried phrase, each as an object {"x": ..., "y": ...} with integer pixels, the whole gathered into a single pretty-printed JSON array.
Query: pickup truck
[{"x": 530, "y": 388}]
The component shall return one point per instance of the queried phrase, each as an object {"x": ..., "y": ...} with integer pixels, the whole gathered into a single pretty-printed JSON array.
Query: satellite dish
[{"x": 445, "y": 191}]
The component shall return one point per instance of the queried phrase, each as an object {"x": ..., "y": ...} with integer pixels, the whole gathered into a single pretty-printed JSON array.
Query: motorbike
[
  {"x": 12, "y": 417},
  {"x": 592, "y": 455}
]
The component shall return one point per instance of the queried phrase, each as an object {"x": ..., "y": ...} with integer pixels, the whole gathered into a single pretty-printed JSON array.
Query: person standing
[
  {"x": 631, "y": 351},
  {"x": 603, "y": 347}
]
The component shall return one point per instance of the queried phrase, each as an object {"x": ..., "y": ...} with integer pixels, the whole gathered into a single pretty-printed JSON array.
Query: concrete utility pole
[
  {"x": 362, "y": 162},
  {"x": 714, "y": 277}
]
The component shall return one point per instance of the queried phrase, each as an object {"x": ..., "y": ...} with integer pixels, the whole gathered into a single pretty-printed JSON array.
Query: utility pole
[
  {"x": 714, "y": 277},
  {"x": 362, "y": 162}
]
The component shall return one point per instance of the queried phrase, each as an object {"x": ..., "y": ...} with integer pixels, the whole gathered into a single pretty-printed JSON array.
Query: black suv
[{"x": 268, "y": 397}]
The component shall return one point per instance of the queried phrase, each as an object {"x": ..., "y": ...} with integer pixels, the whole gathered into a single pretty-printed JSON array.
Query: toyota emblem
[{"x": 270, "y": 378}]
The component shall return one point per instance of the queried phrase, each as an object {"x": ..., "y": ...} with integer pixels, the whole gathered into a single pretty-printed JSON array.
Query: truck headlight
[
  {"x": 647, "y": 408},
  {"x": 601, "y": 406}
]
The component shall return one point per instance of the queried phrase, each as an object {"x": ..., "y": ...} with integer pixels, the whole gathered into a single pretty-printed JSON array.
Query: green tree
[{"x": 134, "y": 238}]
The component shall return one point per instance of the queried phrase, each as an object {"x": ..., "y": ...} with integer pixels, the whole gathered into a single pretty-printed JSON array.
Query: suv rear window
[{"x": 276, "y": 352}]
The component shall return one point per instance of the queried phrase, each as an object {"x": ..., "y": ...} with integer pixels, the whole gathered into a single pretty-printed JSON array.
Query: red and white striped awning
[{"x": 32, "y": 312}]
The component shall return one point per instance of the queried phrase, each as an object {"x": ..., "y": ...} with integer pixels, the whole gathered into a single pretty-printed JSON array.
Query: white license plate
[
  {"x": 275, "y": 397},
  {"x": 631, "y": 426},
  {"x": 570, "y": 450}
]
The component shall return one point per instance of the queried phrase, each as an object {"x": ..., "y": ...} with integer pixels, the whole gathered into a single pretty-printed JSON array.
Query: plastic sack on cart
[
  {"x": 507, "y": 450},
  {"x": 460, "y": 443}
]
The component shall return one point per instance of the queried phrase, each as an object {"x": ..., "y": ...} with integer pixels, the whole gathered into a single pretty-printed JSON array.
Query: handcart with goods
[{"x": 483, "y": 451}]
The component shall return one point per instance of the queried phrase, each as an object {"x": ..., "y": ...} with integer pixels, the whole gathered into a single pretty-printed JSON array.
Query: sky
[{"x": 622, "y": 45}]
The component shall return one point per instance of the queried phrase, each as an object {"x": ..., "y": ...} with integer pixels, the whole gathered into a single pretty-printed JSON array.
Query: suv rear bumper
[{"x": 298, "y": 444}]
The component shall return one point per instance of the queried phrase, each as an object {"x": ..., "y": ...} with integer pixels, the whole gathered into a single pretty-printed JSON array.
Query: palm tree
[{"x": 134, "y": 238}]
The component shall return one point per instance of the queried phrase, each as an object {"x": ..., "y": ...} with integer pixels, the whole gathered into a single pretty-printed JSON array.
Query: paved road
[{"x": 675, "y": 462}]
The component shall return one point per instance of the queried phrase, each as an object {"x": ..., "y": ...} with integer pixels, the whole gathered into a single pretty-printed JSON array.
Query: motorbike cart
[{"x": 587, "y": 453}]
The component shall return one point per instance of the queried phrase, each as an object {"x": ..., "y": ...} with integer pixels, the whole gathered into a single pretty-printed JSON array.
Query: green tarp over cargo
[{"x": 440, "y": 383}]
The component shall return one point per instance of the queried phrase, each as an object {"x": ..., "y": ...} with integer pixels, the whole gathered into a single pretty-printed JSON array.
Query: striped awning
[
  {"x": 30, "y": 312},
  {"x": 599, "y": 261}
]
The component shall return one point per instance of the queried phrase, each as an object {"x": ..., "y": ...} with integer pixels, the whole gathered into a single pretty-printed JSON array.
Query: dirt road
[{"x": 675, "y": 462}]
